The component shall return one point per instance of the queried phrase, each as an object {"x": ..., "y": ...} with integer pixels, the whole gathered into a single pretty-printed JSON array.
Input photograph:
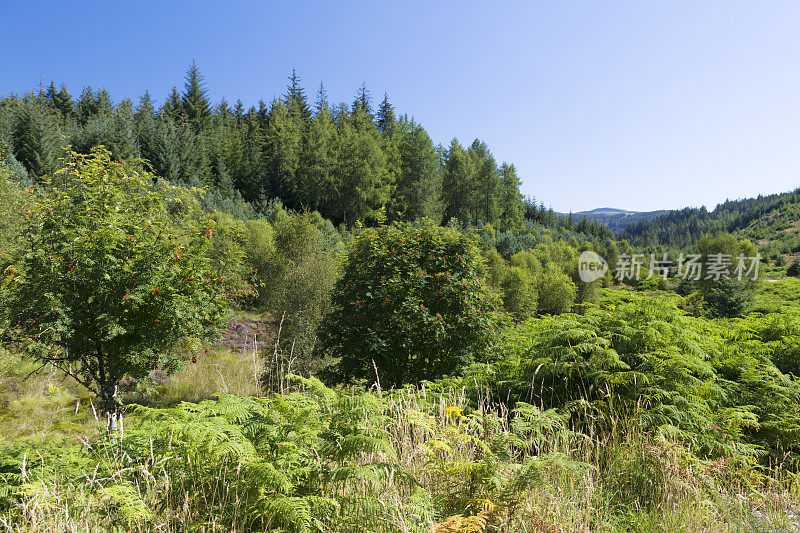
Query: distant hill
[
  {"x": 616, "y": 219},
  {"x": 772, "y": 222}
]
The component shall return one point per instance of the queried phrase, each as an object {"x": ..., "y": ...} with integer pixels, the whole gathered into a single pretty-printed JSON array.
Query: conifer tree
[
  {"x": 322, "y": 99},
  {"x": 173, "y": 107},
  {"x": 296, "y": 101},
  {"x": 194, "y": 102},
  {"x": 34, "y": 138},
  {"x": 317, "y": 162},
  {"x": 385, "y": 119},
  {"x": 195, "y": 170},
  {"x": 419, "y": 182},
  {"x": 487, "y": 182},
  {"x": 360, "y": 172},
  {"x": 281, "y": 155},
  {"x": 511, "y": 206},
  {"x": 86, "y": 107},
  {"x": 363, "y": 102},
  {"x": 103, "y": 103},
  {"x": 458, "y": 190},
  {"x": 145, "y": 128},
  {"x": 60, "y": 101},
  {"x": 123, "y": 136}
]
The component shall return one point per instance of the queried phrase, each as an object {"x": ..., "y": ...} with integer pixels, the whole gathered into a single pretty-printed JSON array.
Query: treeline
[
  {"x": 355, "y": 162},
  {"x": 682, "y": 228}
]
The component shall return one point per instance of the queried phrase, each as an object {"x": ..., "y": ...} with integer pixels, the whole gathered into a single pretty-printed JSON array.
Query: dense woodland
[
  {"x": 346, "y": 328},
  {"x": 350, "y": 162},
  {"x": 761, "y": 219}
]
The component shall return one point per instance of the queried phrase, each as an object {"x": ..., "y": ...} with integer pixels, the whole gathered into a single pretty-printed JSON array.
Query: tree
[
  {"x": 13, "y": 202},
  {"x": 420, "y": 182},
  {"x": 172, "y": 108},
  {"x": 34, "y": 138},
  {"x": 487, "y": 182},
  {"x": 282, "y": 153},
  {"x": 194, "y": 103},
  {"x": 363, "y": 102},
  {"x": 317, "y": 162},
  {"x": 726, "y": 294},
  {"x": 296, "y": 101},
  {"x": 458, "y": 188},
  {"x": 412, "y": 303},
  {"x": 360, "y": 170},
  {"x": 385, "y": 119},
  {"x": 556, "y": 292},
  {"x": 510, "y": 205},
  {"x": 794, "y": 268},
  {"x": 519, "y": 292},
  {"x": 60, "y": 101},
  {"x": 113, "y": 274}
]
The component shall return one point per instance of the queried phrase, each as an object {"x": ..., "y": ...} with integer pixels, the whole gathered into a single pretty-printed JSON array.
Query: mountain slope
[
  {"x": 616, "y": 219},
  {"x": 771, "y": 221}
]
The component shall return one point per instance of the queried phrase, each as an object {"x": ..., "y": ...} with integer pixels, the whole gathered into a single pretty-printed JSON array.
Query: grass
[{"x": 463, "y": 459}]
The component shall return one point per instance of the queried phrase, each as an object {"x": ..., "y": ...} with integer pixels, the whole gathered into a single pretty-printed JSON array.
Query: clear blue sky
[{"x": 639, "y": 105}]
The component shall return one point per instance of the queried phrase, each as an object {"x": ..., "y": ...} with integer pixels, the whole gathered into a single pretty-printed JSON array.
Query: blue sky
[{"x": 637, "y": 105}]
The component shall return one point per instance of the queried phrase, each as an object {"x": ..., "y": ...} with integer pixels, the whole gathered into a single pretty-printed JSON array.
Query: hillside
[
  {"x": 616, "y": 219},
  {"x": 770, "y": 221}
]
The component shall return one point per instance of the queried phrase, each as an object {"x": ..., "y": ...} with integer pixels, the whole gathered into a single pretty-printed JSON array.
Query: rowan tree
[
  {"x": 412, "y": 303},
  {"x": 114, "y": 273}
]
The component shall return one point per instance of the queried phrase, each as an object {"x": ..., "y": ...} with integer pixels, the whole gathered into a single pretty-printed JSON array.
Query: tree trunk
[{"x": 108, "y": 394}]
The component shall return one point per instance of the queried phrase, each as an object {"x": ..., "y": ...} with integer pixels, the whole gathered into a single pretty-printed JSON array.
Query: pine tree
[
  {"x": 123, "y": 133},
  {"x": 103, "y": 102},
  {"x": 86, "y": 108},
  {"x": 34, "y": 138},
  {"x": 360, "y": 171},
  {"x": 511, "y": 206},
  {"x": 487, "y": 182},
  {"x": 60, "y": 101},
  {"x": 145, "y": 128},
  {"x": 322, "y": 99},
  {"x": 223, "y": 115},
  {"x": 420, "y": 181},
  {"x": 194, "y": 103},
  {"x": 296, "y": 101},
  {"x": 363, "y": 102},
  {"x": 173, "y": 107},
  {"x": 317, "y": 162},
  {"x": 195, "y": 169},
  {"x": 385, "y": 118},
  {"x": 458, "y": 191},
  {"x": 281, "y": 154}
]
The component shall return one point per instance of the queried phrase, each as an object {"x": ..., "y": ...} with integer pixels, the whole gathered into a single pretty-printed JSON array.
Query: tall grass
[{"x": 409, "y": 460}]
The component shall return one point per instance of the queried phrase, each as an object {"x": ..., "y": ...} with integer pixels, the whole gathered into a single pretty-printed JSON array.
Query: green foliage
[
  {"x": 519, "y": 292},
  {"x": 680, "y": 375},
  {"x": 726, "y": 295},
  {"x": 556, "y": 291},
  {"x": 794, "y": 269},
  {"x": 113, "y": 272},
  {"x": 297, "y": 281},
  {"x": 412, "y": 302},
  {"x": 14, "y": 201}
]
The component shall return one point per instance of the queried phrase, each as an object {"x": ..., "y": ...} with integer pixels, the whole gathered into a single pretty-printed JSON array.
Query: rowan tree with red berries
[
  {"x": 413, "y": 303},
  {"x": 114, "y": 272}
]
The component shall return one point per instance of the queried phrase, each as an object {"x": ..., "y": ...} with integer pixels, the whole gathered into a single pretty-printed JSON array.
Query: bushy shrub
[
  {"x": 519, "y": 292},
  {"x": 556, "y": 292},
  {"x": 412, "y": 302}
]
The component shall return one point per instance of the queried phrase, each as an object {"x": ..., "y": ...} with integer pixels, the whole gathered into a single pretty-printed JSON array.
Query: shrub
[
  {"x": 794, "y": 269},
  {"x": 556, "y": 292},
  {"x": 519, "y": 293},
  {"x": 412, "y": 302}
]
